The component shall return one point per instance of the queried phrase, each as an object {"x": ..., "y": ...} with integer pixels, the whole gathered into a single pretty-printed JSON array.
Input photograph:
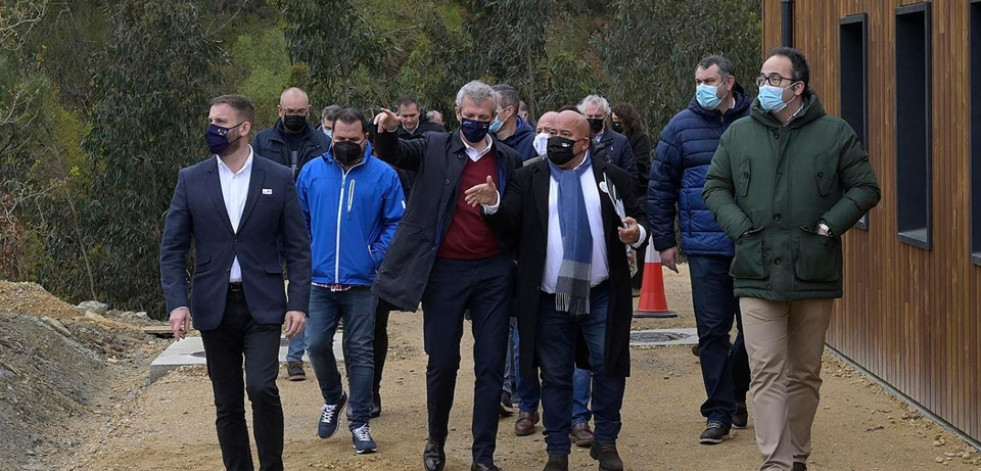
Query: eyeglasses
[{"x": 774, "y": 80}]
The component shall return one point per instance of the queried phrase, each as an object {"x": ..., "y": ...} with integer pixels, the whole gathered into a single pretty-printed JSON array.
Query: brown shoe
[
  {"x": 581, "y": 435},
  {"x": 526, "y": 423}
]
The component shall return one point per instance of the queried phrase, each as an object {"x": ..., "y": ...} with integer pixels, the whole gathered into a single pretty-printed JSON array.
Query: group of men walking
[{"x": 506, "y": 219}]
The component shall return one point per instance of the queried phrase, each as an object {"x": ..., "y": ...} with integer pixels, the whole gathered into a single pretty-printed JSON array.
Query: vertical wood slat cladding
[{"x": 909, "y": 316}]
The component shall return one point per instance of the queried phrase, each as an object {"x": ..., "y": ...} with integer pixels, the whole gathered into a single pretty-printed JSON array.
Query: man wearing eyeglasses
[
  {"x": 683, "y": 155},
  {"x": 786, "y": 184}
]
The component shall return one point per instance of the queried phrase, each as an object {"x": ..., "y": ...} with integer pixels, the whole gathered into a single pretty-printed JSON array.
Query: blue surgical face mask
[
  {"x": 496, "y": 125},
  {"x": 771, "y": 98},
  {"x": 708, "y": 96},
  {"x": 329, "y": 133}
]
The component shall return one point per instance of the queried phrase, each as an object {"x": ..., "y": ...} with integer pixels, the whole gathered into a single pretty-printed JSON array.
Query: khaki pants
[{"x": 785, "y": 341}]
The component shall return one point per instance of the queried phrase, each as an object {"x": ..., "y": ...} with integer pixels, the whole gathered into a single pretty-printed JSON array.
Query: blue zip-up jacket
[
  {"x": 523, "y": 140},
  {"x": 681, "y": 161},
  {"x": 356, "y": 211}
]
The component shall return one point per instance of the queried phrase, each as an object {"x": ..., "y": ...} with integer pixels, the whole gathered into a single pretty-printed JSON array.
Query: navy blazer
[{"x": 271, "y": 221}]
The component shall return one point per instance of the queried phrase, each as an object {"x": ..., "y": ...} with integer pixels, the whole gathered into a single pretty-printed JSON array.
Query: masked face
[
  {"x": 708, "y": 96},
  {"x": 218, "y": 140},
  {"x": 347, "y": 153},
  {"x": 473, "y": 130},
  {"x": 771, "y": 98},
  {"x": 595, "y": 125},
  {"x": 561, "y": 150},
  {"x": 294, "y": 123}
]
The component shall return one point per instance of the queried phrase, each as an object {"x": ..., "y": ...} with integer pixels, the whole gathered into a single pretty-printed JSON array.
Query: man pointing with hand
[
  {"x": 445, "y": 255},
  {"x": 573, "y": 279}
]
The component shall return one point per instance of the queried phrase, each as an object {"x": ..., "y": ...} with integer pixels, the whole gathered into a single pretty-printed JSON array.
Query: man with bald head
[
  {"x": 572, "y": 217},
  {"x": 291, "y": 142}
]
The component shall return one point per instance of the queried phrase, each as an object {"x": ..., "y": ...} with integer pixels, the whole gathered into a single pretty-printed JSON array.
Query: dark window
[
  {"x": 975, "y": 52},
  {"x": 853, "y": 79},
  {"x": 913, "y": 121}
]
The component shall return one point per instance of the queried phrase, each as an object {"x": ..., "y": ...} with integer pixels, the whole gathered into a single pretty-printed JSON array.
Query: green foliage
[
  {"x": 101, "y": 102},
  {"x": 261, "y": 71},
  {"x": 654, "y": 45},
  {"x": 157, "y": 74},
  {"x": 339, "y": 55}
]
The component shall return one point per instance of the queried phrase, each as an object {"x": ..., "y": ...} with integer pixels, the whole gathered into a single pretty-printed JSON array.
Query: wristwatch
[{"x": 825, "y": 227}]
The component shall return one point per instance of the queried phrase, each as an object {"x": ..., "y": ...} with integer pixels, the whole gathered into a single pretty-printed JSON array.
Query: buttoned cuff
[{"x": 491, "y": 210}]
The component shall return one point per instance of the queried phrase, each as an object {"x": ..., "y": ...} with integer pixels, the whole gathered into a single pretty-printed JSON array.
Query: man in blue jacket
[
  {"x": 353, "y": 203},
  {"x": 681, "y": 161},
  {"x": 508, "y": 127}
]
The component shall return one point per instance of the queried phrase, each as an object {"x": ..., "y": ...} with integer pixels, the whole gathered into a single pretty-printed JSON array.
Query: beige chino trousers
[{"x": 785, "y": 342}]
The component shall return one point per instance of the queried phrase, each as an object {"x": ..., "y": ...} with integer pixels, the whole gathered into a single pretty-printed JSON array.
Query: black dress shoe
[
  {"x": 484, "y": 467},
  {"x": 800, "y": 467},
  {"x": 740, "y": 418},
  {"x": 557, "y": 463},
  {"x": 433, "y": 457}
]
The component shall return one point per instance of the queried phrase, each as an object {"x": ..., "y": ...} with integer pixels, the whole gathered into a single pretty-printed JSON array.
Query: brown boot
[
  {"x": 526, "y": 423},
  {"x": 581, "y": 435}
]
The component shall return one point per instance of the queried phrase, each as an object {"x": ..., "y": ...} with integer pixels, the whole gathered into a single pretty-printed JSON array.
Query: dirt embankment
[{"x": 57, "y": 367}]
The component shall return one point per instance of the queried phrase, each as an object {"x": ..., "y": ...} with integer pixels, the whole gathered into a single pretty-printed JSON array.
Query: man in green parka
[{"x": 786, "y": 183}]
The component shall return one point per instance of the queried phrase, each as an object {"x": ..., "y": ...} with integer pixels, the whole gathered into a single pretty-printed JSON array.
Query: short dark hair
[
  {"x": 330, "y": 112},
  {"x": 507, "y": 96},
  {"x": 407, "y": 100},
  {"x": 800, "y": 72},
  {"x": 240, "y": 103},
  {"x": 725, "y": 65},
  {"x": 629, "y": 118},
  {"x": 351, "y": 116},
  {"x": 570, "y": 108}
]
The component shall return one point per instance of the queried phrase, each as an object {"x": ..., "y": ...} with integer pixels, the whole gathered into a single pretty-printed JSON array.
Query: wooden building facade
[{"x": 907, "y": 77}]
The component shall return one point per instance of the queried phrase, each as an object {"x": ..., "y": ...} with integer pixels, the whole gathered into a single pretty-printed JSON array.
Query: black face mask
[
  {"x": 617, "y": 127},
  {"x": 294, "y": 123},
  {"x": 595, "y": 125},
  {"x": 560, "y": 150},
  {"x": 347, "y": 153}
]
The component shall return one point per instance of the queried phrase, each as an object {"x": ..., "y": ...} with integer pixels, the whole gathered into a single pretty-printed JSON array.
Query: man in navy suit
[{"x": 244, "y": 217}]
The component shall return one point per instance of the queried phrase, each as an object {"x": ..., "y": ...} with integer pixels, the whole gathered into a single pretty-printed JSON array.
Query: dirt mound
[
  {"x": 32, "y": 300},
  {"x": 57, "y": 363}
]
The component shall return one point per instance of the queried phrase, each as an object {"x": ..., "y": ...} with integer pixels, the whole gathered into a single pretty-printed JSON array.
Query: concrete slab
[
  {"x": 190, "y": 351},
  {"x": 663, "y": 337}
]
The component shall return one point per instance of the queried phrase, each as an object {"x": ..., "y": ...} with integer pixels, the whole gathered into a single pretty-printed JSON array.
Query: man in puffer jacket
[
  {"x": 353, "y": 203},
  {"x": 682, "y": 159}
]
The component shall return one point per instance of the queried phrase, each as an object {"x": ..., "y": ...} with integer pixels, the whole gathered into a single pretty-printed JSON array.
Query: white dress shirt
[
  {"x": 594, "y": 212},
  {"x": 475, "y": 154},
  {"x": 234, "y": 190}
]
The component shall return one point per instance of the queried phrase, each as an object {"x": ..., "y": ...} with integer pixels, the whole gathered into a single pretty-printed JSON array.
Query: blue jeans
[
  {"x": 296, "y": 348},
  {"x": 557, "y": 354},
  {"x": 357, "y": 306},
  {"x": 528, "y": 388},
  {"x": 483, "y": 287},
  {"x": 725, "y": 366},
  {"x": 581, "y": 389}
]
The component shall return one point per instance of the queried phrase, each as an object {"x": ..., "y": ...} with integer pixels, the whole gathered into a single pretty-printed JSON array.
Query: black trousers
[
  {"x": 381, "y": 341},
  {"x": 239, "y": 335}
]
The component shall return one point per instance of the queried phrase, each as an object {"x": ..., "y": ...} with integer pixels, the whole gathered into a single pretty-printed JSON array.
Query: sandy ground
[{"x": 169, "y": 425}]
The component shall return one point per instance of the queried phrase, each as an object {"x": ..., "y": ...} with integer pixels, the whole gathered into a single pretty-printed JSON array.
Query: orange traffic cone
[{"x": 652, "y": 303}]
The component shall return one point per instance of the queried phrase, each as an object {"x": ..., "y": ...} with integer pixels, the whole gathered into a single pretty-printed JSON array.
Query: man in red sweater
[{"x": 445, "y": 255}]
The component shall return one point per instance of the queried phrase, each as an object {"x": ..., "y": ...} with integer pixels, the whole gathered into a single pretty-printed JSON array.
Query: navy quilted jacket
[{"x": 681, "y": 161}]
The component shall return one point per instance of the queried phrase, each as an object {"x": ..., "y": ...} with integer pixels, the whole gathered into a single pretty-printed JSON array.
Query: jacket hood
[
  {"x": 742, "y": 104},
  {"x": 813, "y": 110}
]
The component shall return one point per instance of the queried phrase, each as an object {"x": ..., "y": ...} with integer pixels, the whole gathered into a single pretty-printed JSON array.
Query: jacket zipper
[{"x": 340, "y": 211}]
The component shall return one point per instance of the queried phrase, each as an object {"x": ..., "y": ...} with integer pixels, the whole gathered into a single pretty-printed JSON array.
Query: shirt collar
[
  {"x": 473, "y": 152},
  {"x": 245, "y": 168}
]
